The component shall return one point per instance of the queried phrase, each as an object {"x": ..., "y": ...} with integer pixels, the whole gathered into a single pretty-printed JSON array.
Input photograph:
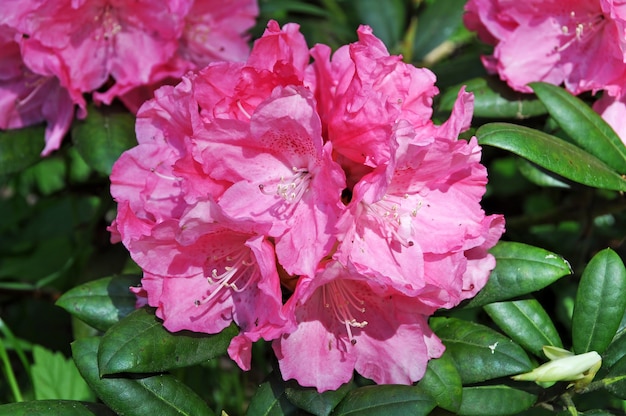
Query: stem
[
  {"x": 8, "y": 371},
  {"x": 569, "y": 403},
  {"x": 9, "y": 336}
]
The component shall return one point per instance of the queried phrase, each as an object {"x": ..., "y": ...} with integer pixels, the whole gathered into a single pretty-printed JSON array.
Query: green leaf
[
  {"x": 20, "y": 148},
  {"x": 140, "y": 344},
  {"x": 494, "y": 400},
  {"x": 55, "y": 408},
  {"x": 495, "y": 99},
  {"x": 159, "y": 394},
  {"x": 385, "y": 399},
  {"x": 540, "y": 176},
  {"x": 384, "y": 17},
  {"x": 270, "y": 399},
  {"x": 103, "y": 136},
  {"x": 520, "y": 269},
  {"x": 600, "y": 303},
  {"x": 552, "y": 153},
  {"x": 435, "y": 25},
  {"x": 616, "y": 349},
  {"x": 101, "y": 303},
  {"x": 583, "y": 125},
  {"x": 318, "y": 404},
  {"x": 480, "y": 353},
  {"x": 615, "y": 380},
  {"x": 443, "y": 382},
  {"x": 56, "y": 377},
  {"x": 527, "y": 323}
]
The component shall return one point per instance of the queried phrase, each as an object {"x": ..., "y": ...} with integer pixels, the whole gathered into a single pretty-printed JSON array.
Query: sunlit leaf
[
  {"x": 480, "y": 353},
  {"x": 103, "y": 136},
  {"x": 583, "y": 125},
  {"x": 160, "y": 394},
  {"x": 526, "y": 322},
  {"x": 494, "y": 400},
  {"x": 443, "y": 382},
  {"x": 20, "y": 148},
  {"x": 551, "y": 153},
  {"x": 56, "y": 377},
  {"x": 55, "y": 408},
  {"x": 520, "y": 269},
  {"x": 101, "y": 303},
  {"x": 385, "y": 399},
  {"x": 600, "y": 303},
  {"x": 140, "y": 344}
]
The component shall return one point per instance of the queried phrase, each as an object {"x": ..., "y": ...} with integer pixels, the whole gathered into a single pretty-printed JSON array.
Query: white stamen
[{"x": 341, "y": 301}]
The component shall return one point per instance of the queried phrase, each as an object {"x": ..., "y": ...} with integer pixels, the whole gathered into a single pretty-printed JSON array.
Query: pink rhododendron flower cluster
[
  {"x": 314, "y": 204},
  {"x": 58, "y": 50},
  {"x": 578, "y": 43}
]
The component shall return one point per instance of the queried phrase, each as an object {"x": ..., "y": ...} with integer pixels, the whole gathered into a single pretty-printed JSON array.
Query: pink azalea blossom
[
  {"x": 613, "y": 111},
  {"x": 579, "y": 43},
  {"x": 326, "y": 177},
  {"x": 346, "y": 321},
  {"x": 27, "y": 98},
  {"x": 54, "y": 52}
]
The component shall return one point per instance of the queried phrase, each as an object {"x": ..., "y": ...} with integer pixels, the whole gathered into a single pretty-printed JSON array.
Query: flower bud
[{"x": 564, "y": 367}]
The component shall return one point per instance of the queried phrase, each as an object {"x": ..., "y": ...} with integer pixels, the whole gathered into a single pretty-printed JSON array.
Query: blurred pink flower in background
[
  {"x": 580, "y": 44},
  {"x": 328, "y": 177},
  {"x": 119, "y": 49}
]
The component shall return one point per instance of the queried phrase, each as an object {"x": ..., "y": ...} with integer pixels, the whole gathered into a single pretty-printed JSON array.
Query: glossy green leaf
[
  {"x": 383, "y": 17},
  {"x": 540, "y": 176},
  {"x": 101, "y": 303},
  {"x": 616, "y": 349},
  {"x": 494, "y": 99},
  {"x": 520, "y": 269},
  {"x": 140, "y": 344},
  {"x": 385, "y": 399},
  {"x": 480, "y": 353},
  {"x": 494, "y": 400},
  {"x": 136, "y": 395},
  {"x": 270, "y": 399},
  {"x": 56, "y": 377},
  {"x": 20, "y": 148},
  {"x": 526, "y": 322},
  {"x": 318, "y": 404},
  {"x": 435, "y": 25},
  {"x": 103, "y": 136},
  {"x": 551, "y": 153},
  {"x": 443, "y": 382},
  {"x": 583, "y": 125},
  {"x": 615, "y": 380},
  {"x": 55, "y": 408},
  {"x": 600, "y": 303}
]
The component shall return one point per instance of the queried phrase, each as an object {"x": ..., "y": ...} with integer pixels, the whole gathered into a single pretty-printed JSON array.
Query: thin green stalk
[
  {"x": 10, "y": 376},
  {"x": 8, "y": 335}
]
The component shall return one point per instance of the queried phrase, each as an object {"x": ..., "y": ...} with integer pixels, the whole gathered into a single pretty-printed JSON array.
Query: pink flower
[
  {"x": 613, "y": 111},
  {"x": 27, "y": 98},
  {"x": 346, "y": 321},
  {"x": 119, "y": 45},
  {"x": 579, "y": 43},
  {"x": 328, "y": 178}
]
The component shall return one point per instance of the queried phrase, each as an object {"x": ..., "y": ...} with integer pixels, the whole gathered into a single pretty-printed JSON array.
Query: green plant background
[{"x": 71, "y": 342}]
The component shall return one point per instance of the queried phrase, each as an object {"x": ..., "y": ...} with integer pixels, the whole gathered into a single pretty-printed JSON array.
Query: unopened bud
[{"x": 564, "y": 366}]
